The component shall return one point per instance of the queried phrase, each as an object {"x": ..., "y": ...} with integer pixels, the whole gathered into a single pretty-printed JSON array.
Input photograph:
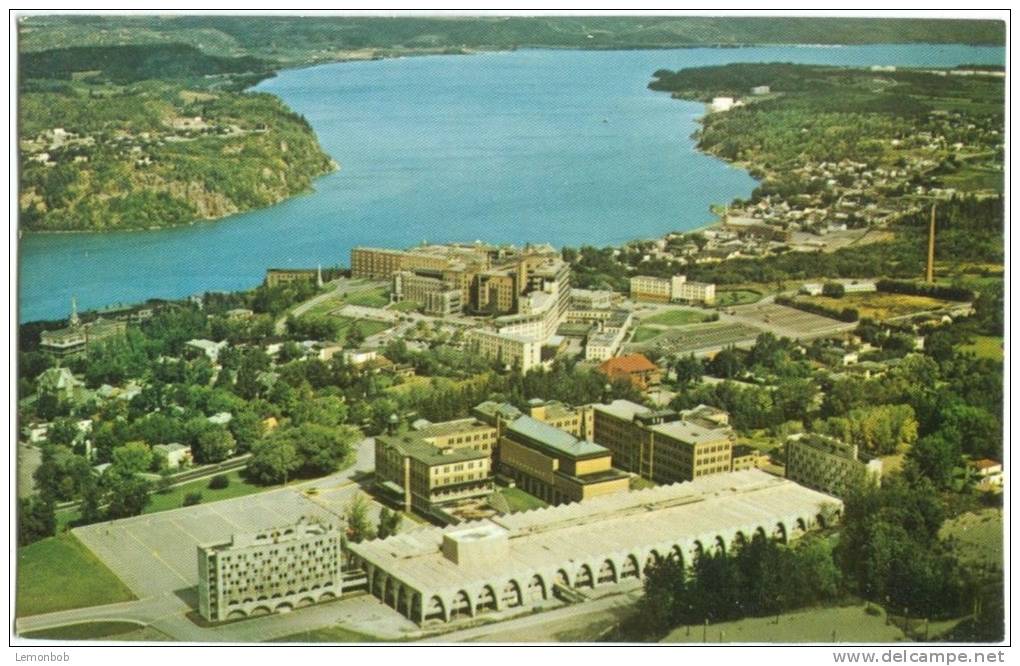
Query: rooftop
[
  {"x": 629, "y": 363},
  {"x": 686, "y": 431},
  {"x": 619, "y": 523},
  {"x": 622, "y": 409},
  {"x": 559, "y": 442}
]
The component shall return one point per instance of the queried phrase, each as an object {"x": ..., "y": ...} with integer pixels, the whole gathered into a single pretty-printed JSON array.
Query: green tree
[
  {"x": 132, "y": 458},
  {"x": 213, "y": 444},
  {"x": 389, "y": 523},
  {"x": 359, "y": 527},
  {"x": 129, "y": 495},
  {"x": 688, "y": 371},
  {"x": 36, "y": 519},
  {"x": 273, "y": 460}
]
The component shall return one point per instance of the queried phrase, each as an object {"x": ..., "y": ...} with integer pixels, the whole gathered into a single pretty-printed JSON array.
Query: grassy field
[
  {"x": 879, "y": 305},
  {"x": 645, "y": 333},
  {"x": 973, "y": 177},
  {"x": 677, "y": 317},
  {"x": 985, "y": 346},
  {"x": 849, "y": 624},
  {"x": 174, "y": 498},
  {"x": 979, "y": 536},
  {"x": 367, "y": 327},
  {"x": 520, "y": 500},
  {"x": 737, "y": 297},
  {"x": 85, "y": 631},
  {"x": 404, "y": 306},
  {"x": 334, "y": 634},
  {"x": 60, "y": 573},
  {"x": 373, "y": 298}
]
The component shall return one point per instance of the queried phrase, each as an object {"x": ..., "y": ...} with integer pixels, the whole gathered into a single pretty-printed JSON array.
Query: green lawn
[
  {"x": 677, "y": 317},
  {"x": 520, "y": 500},
  {"x": 645, "y": 333},
  {"x": 985, "y": 346},
  {"x": 174, "y": 498},
  {"x": 84, "y": 631},
  {"x": 737, "y": 297},
  {"x": 367, "y": 327},
  {"x": 404, "y": 306},
  {"x": 373, "y": 298},
  {"x": 60, "y": 573},
  {"x": 978, "y": 536},
  {"x": 334, "y": 634},
  {"x": 851, "y": 624}
]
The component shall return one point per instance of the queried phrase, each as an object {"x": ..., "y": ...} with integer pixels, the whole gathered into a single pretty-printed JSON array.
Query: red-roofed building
[{"x": 636, "y": 368}]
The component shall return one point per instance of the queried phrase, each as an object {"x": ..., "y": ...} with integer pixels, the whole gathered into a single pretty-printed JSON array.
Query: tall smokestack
[{"x": 930, "y": 276}]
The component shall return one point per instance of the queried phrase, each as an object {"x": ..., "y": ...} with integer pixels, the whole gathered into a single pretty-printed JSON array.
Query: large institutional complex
[
  {"x": 828, "y": 464},
  {"x": 547, "y": 452},
  {"x": 276, "y": 570},
  {"x": 665, "y": 290},
  {"x": 527, "y": 290},
  {"x": 434, "y": 575},
  {"x": 76, "y": 337},
  {"x": 662, "y": 445}
]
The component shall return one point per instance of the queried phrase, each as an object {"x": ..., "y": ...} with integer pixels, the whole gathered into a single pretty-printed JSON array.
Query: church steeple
[{"x": 74, "y": 321}]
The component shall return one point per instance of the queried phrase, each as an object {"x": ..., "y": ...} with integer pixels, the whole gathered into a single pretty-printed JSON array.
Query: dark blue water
[{"x": 566, "y": 147}]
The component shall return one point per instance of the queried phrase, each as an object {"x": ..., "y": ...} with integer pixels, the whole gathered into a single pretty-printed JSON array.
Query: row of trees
[{"x": 758, "y": 578}]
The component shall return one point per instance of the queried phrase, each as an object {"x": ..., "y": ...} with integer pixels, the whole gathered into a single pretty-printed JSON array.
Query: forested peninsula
[{"x": 136, "y": 137}]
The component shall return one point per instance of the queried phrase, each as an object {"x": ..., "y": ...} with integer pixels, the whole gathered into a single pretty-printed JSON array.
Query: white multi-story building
[
  {"x": 677, "y": 288},
  {"x": 276, "y": 570},
  {"x": 507, "y": 349}
]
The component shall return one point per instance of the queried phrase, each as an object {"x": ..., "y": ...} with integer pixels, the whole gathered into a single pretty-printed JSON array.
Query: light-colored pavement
[
  {"x": 156, "y": 554},
  {"x": 550, "y": 626},
  {"x": 29, "y": 459}
]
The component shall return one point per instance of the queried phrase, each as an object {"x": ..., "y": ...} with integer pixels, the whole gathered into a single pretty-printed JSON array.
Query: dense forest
[
  {"x": 303, "y": 39},
  {"x": 140, "y": 137}
]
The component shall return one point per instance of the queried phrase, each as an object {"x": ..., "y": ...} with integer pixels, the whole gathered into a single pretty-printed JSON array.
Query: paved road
[
  {"x": 341, "y": 286},
  {"x": 549, "y": 626}
]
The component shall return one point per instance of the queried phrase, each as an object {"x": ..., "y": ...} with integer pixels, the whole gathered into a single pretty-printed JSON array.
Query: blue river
[{"x": 565, "y": 147}]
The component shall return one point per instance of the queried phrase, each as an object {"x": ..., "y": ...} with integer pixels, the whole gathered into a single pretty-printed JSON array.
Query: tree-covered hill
[
  {"x": 131, "y": 63},
  {"x": 132, "y": 137},
  {"x": 304, "y": 39}
]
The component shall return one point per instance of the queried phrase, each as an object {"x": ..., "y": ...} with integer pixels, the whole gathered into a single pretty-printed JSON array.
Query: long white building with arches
[{"x": 433, "y": 575}]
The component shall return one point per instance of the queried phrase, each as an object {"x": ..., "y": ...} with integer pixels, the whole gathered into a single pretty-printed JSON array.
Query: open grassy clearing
[
  {"x": 86, "y": 631},
  {"x": 677, "y": 317},
  {"x": 978, "y": 535},
  {"x": 334, "y": 634},
  {"x": 737, "y": 297},
  {"x": 645, "y": 333},
  {"x": 849, "y": 624},
  {"x": 518, "y": 500},
  {"x": 60, "y": 573},
  {"x": 404, "y": 306},
  {"x": 879, "y": 306},
  {"x": 174, "y": 498},
  {"x": 985, "y": 346}
]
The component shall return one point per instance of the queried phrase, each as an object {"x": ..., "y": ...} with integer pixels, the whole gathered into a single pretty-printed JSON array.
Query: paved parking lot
[
  {"x": 788, "y": 322},
  {"x": 698, "y": 338},
  {"x": 157, "y": 553}
]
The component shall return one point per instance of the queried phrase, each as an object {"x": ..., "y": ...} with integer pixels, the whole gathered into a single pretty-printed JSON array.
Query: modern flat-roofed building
[
  {"x": 278, "y": 569},
  {"x": 827, "y": 464},
  {"x": 666, "y": 290},
  {"x": 652, "y": 289},
  {"x": 661, "y": 445},
  {"x": 509, "y": 350},
  {"x": 555, "y": 466},
  {"x": 519, "y": 561},
  {"x": 437, "y": 465}
]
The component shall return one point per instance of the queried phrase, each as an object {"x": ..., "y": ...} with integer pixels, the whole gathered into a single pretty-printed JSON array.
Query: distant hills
[{"x": 305, "y": 39}]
